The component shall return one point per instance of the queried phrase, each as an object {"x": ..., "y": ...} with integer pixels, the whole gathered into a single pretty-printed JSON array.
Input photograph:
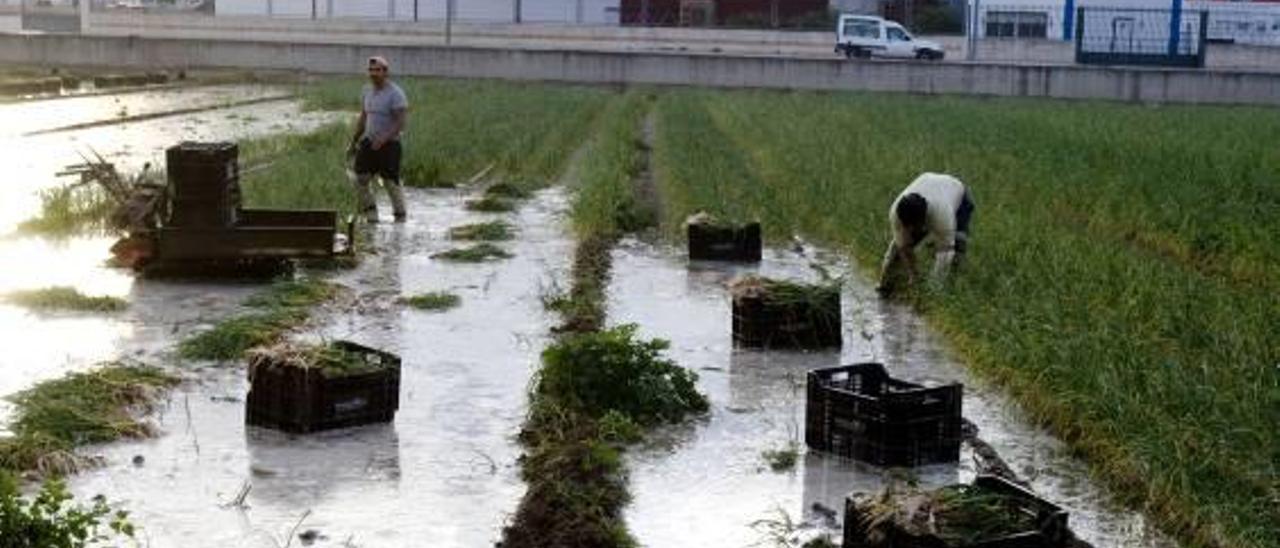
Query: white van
[{"x": 867, "y": 35}]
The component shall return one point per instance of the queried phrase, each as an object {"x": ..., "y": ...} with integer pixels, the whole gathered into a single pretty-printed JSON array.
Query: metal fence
[
  {"x": 1141, "y": 36},
  {"x": 1258, "y": 26}
]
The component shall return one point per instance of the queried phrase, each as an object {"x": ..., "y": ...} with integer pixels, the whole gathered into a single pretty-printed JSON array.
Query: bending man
[{"x": 934, "y": 205}]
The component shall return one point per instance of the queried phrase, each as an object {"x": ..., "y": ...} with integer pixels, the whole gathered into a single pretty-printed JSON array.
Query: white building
[{"x": 589, "y": 12}]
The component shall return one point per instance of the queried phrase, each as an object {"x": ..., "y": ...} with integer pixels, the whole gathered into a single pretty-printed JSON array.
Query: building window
[{"x": 1017, "y": 24}]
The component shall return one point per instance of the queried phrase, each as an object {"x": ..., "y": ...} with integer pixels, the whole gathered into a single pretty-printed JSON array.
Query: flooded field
[
  {"x": 446, "y": 472},
  {"x": 708, "y": 485},
  {"x": 53, "y": 343}
]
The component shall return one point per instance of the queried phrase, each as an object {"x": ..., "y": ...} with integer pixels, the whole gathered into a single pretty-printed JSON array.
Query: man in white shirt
[{"x": 934, "y": 205}]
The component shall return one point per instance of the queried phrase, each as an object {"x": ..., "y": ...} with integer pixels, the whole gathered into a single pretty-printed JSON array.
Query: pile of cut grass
[
  {"x": 330, "y": 360},
  {"x": 960, "y": 515},
  {"x": 491, "y": 204},
  {"x": 1121, "y": 283},
  {"x": 54, "y": 417},
  {"x": 63, "y": 298},
  {"x": 492, "y": 231},
  {"x": 593, "y": 396},
  {"x": 434, "y": 301},
  {"x": 283, "y": 306},
  {"x": 478, "y": 253},
  {"x": 776, "y": 291}
]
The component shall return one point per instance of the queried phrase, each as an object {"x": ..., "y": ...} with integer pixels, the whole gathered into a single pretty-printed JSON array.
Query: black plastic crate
[
  {"x": 203, "y": 171},
  {"x": 1050, "y": 530},
  {"x": 761, "y": 321},
  {"x": 860, "y": 412},
  {"x": 302, "y": 400},
  {"x": 709, "y": 242}
]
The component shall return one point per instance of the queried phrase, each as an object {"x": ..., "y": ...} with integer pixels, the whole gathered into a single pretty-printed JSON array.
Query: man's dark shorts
[
  {"x": 963, "y": 215},
  {"x": 384, "y": 162}
]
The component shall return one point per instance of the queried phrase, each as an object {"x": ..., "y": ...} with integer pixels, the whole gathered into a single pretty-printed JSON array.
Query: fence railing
[{"x": 1141, "y": 36}]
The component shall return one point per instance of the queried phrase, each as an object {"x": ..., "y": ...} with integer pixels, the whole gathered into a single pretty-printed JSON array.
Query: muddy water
[
  {"x": 707, "y": 485},
  {"x": 443, "y": 474},
  {"x": 51, "y": 344}
]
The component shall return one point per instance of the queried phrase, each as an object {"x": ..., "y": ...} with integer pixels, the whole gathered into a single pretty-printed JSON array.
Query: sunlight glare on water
[{"x": 43, "y": 345}]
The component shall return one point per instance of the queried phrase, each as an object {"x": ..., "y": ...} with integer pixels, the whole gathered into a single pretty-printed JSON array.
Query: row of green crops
[
  {"x": 523, "y": 134},
  {"x": 1121, "y": 281}
]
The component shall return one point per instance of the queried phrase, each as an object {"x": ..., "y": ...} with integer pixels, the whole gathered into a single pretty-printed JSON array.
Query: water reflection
[
  {"x": 43, "y": 346},
  {"x": 302, "y": 471},
  {"x": 708, "y": 489}
]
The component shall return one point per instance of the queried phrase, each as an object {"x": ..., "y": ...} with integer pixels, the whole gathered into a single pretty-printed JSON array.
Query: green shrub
[
  {"x": 611, "y": 370},
  {"x": 52, "y": 520}
]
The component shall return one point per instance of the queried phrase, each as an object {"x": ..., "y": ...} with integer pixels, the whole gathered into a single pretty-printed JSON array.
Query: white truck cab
[{"x": 867, "y": 35}]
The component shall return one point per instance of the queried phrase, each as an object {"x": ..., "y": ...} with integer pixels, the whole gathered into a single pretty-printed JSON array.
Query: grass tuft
[
  {"x": 435, "y": 301},
  {"x": 54, "y": 417},
  {"x": 506, "y": 190},
  {"x": 63, "y": 298},
  {"x": 283, "y": 306},
  {"x": 491, "y": 204},
  {"x": 70, "y": 210},
  {"x": 475, "y": 254},
  {"x": 493, "y": 231},
  {"x": 782, "y": 460}
]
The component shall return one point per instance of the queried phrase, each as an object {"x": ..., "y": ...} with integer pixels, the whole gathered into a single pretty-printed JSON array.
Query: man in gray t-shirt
[{"x": 376, "y": 143}]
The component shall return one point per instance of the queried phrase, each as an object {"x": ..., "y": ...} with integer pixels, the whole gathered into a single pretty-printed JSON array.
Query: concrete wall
[{"x": 1122, "y": 84}]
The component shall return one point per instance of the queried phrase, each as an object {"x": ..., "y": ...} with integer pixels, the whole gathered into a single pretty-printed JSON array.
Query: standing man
[
  {"x": 376, "y": 143},
  {"x": 934, "y": 205}
]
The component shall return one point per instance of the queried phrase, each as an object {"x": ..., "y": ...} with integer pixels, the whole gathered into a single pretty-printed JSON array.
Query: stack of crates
[
  {"x": 204, "y": 185},
  {"x": 860, "y": 412}
]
